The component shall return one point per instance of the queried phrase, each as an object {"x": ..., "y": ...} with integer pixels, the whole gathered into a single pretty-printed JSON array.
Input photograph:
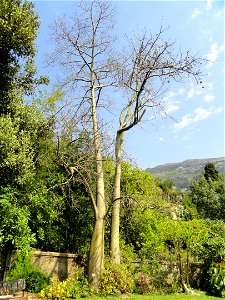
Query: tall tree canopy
[{"x": 18, "y": 29}]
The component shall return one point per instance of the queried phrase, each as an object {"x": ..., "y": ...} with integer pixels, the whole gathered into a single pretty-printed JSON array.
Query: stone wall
[
  {"x": 54, "y": 264},
  {"x": 63, "y": 266}
]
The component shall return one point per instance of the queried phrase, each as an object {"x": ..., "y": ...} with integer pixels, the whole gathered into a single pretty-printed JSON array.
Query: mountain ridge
[{"x": 183, "y": 172}]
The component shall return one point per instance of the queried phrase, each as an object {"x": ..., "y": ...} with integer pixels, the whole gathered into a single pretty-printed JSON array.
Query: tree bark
[
  {"x": 115, "y": 223},
  {"x": 182, "y": 281},
  {"x": 96, "y": 256}
]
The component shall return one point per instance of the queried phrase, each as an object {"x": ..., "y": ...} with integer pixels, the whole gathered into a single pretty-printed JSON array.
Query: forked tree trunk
[{"x": 115, "y": 223}]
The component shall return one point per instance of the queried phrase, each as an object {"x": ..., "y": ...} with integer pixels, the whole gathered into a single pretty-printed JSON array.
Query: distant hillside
[{"x": 183, "y": 172}]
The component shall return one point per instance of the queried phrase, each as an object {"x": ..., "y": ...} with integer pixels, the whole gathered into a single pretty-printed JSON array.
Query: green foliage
[
  {"x": 172, "y": 242},
  {"x": 57, "y": 290},
  {"x": 141, "y": 196},
  {"x": 217, "y": 282},
  {"x": 208, "y": 197},
  {"x": 116, "y": 279},
  {"x": 210, "y": 172},
  {"x": 214, "y": 258},
  {"x": 189, "y": 208},
  {"x": 16, "y": 153},
  {"x": 18, "y": 30},
  {"x": 170, "y": 193},
  {"x": 23, "y": 268},
  {"x": 214, "y": 247},
  {"x": 71, "y": 288},
  {"x": 32, "y": 179},
  {"x": 15, "y": 232},
  {"x": 156, "y": 277},
  {"x": 20, "y": 191},
  {"x": 191, "y": 234},
  {"x": 18, "y": 25},
  {"x": 152, "y": 234},
  {"x": 165, "y": 238}
]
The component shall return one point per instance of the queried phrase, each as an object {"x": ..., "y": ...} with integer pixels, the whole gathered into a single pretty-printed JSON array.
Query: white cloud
[
  {"x": 172, "y": 107},
  {"x": 218, "y": 110},
  {"x": 169, "y": 96},
  {"x": 194, "y": 91},
  {"x": 205, "y": 88},
  {"x": 198, "y": 115},
  {"x": 181, "y": 91},
  {"x": 214, "y": 52},
  {"x": 208, "y": 97},
  {"x": 202, "y": 114},
  {"x": 208, "y": 85},
  {"x": 185, "y": 121},
  {"x": 169, "y": 105},
  {"x": 191, "y": 93},
  {"x": 161, "y": 139},
  {"x": 208, "y": 5},
  {"x": 196, "y": 12},
  {"x": 220, "y": 12}
]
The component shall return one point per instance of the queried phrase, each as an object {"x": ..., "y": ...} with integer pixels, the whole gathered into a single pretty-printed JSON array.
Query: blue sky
[{"x": 196, "y": 129}]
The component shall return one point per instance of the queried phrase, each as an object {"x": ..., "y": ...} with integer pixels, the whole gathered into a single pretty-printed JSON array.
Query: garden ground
[{"x": 201, "y": 296}]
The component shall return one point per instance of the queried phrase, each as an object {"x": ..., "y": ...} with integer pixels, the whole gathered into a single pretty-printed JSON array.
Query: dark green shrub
[
  {"x": 23, "y": 269},
  {"x": 217, "y": 279}
]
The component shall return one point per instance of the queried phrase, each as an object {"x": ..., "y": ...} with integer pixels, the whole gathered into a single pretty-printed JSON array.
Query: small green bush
[
  {"x": 23, "y": 269},
  {"x": 116, "y": 279},
  {"x": 57, "y": 290},
  {"x": 71, "y": 288}
]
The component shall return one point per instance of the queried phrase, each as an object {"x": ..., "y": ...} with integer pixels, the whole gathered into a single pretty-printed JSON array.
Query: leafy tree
[
  {"x": 163, "y": 238},
  {"x": 139, "y": 194},
  {"x": 15, "y": 232},
  {"x": 189, "y": 236},
  {"x": 210, "y": 172},
  {"x": 170, "y": 193},
  {"x": 45, "y": 206},
  {"x": 208, "y": 197},
  {"x": 18, "y": 30},
  {"x": 16, "y": 153}
]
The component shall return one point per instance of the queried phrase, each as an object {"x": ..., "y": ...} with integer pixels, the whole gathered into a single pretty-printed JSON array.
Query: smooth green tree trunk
[
  {"x": 115, "y": 222},
  {"x": 96, "y": 256}
]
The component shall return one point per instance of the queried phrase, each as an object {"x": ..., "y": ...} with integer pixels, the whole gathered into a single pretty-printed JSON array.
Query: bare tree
[
  {"x": 83, "y": 49},
  {"x": 145, "y": 75}
]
